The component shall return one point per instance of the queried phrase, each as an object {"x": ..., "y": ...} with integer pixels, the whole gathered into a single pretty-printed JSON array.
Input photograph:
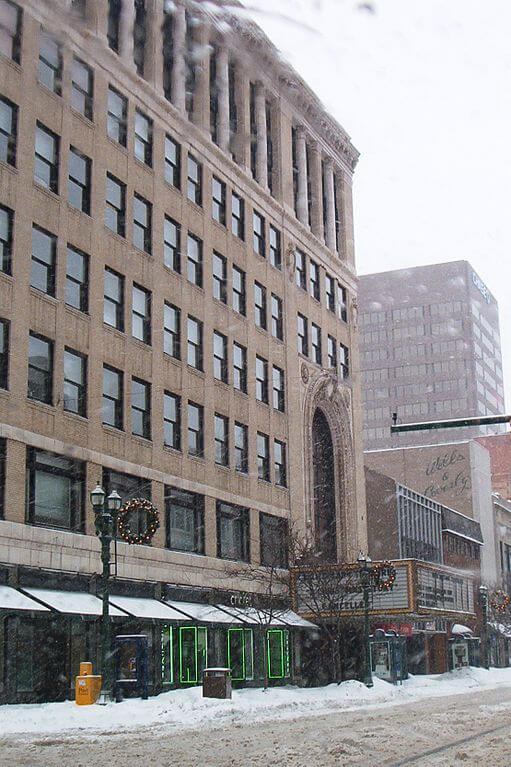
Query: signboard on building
[{"x": 439, "y": 590}]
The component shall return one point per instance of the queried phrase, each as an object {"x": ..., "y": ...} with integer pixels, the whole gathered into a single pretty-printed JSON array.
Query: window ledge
[
  {"x": 116, "y": 235},
  {"x": 199, "y": 458},
  {"x": 142, "y": 164},
  {"x": 72, "y": 416},
  {"x": 200, "y": 373},
  {"x": 43, "y": 296},
  {"x": 11, "y": 63},
  {"x": 7, "y": 166},
  {"x": 120, "y": 147},
  {"x": 48, "y": 192},
  {"x": 80, "y": 116},
  {"x": 39, "y": 403},
  {"x": 173, "y": 451},
  {"x": 45, "y": 89},
  {"x": 78, "y": 211},
  {"x": 78, "y": 312},
  {"x": 115, "y": 430}
]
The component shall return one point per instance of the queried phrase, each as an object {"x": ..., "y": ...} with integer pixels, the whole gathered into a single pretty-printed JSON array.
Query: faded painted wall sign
[{"x": 447, "y": 473}]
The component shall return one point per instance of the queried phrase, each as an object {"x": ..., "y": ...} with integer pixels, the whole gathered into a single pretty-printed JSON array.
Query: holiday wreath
[
  {"x": 140, "y": 506},
  {"x": 499, "y": 601},
  {"x": 384, "y": 574}
]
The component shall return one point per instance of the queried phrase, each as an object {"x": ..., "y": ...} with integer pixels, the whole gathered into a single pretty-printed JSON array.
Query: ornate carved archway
[{"x": 333, "y": 399}]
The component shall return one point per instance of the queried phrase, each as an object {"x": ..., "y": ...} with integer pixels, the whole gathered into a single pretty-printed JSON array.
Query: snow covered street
[{"x": 336, "y": 725}]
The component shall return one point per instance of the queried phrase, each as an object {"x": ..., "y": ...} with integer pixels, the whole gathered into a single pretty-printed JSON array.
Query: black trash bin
[{"x": 216, "y": 683}]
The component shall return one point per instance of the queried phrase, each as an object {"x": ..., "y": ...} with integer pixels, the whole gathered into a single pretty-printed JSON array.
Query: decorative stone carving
[{"x": 305, "y": 373}]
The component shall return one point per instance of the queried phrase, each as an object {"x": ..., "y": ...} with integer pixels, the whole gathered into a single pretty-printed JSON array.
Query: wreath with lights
[
  {"x": 499, "y": 601},
  {"x": 153, "y": 521},
  {"x": 384, "y": 574}
]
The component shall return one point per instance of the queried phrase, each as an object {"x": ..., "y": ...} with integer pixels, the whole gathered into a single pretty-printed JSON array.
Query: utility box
[
  {"x": 216, "y": 683},
  {"x": 87, "y": 685}
]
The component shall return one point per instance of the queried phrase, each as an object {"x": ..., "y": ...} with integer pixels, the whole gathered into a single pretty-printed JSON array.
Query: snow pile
[{"x": 187, "y": 708}]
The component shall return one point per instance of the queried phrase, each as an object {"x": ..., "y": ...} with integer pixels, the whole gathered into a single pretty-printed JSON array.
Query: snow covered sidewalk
[{"x": 187, "y": 708}]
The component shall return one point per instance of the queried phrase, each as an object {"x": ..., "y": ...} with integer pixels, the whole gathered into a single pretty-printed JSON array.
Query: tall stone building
[
  {"x": 430, "y": 351},
  {"x": 178, "y": 323}
]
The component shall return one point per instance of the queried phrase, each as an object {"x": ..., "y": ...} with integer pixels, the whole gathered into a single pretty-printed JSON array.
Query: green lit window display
[
  {"x": 278, "y": 653},
  {"x": 193, "y": 653},
  {"x": 240, "y": 653},
  {"x": 167, "y": 655}
]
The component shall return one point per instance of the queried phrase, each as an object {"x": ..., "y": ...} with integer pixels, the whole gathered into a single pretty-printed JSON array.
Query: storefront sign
[
  {"x": 482, "y": 288},
  {"x": 444, "y": 591}
]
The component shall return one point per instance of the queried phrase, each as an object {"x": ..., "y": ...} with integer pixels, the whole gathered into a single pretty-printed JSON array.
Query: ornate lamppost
[
  {"x": 365, "y": 569},
  {"x": 104, "y": 517},
  {"x": 483, "y": 601}
]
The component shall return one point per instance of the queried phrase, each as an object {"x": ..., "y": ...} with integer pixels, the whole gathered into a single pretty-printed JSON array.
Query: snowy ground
[{"x": 466, "y": 714}]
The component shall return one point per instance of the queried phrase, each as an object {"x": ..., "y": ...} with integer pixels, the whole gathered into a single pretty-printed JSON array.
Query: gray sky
[{"x": 423, "y": 87}]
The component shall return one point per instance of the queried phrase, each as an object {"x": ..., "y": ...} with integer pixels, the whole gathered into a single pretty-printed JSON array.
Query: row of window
[
  {"x": 310, "y": 345},
  {"x": 56, "y": 498},
  {"x": 443, "y": 367}
]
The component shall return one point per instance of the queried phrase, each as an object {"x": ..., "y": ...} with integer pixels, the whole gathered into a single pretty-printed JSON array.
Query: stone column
[
  {"x": 222, "y": 82},
  {"x": 127, "y": 23},
  {"x": 201, "y": 95},
  {"x": 261, "y": 148},
  {"x": 302, "y": 204},
  {"x": 316, "y": 191},
  {"x": 154, "y": 45},
  {"x": 178, "y": 67},
  {"x": 330, "y": 204},
  {"x": 242, "y": 139},
  {"x": 97, "y": 14}
]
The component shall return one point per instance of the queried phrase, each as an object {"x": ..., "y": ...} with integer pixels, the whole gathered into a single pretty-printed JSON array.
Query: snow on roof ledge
[{"x": 459, "y": 630}]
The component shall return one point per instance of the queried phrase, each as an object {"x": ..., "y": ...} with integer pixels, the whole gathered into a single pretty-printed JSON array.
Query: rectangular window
[
  {"x": 112, "y": 397},
  {"x": 194, "y": 356},
  {"x": 10, "y": 30},
  {"x": 260, "y": 305},
  {"x": 194, "y": 188},
  {"x": 263, "y": 456},
  {"x": 6, "y": 227},
  {"x": 75, "y": 382},
  {"x": 172, "y": 331},
  {"x": 172, "y": 162},
  {"x": 300, "y": 270},
  {"x": 140, "y": 408},
  {"x": 303, "y": 335},
  {"x": 55, "y": 490},
  {"x": 3, "y": 455},
  {"x": 279, "y": 463},
  {"x": 82, "y": 88},
  {"x": 115, "y": 207},
  {"x": 172, "y": 420},
  {"x": 113, "y": 309},
  {"x": 42, "y": 271},
  {"x": 241, "y": 447},
  {"x": 194, "y": 260},
  {"x": 4, "y": 356},
  {"x": 238, "y": 216},
  {"x": 195, "y": 430},
  {"x": 143, "y": 144},
  {"x": 258, "y": 234},
  {"x": 128, "y": 487},
  {"x": 342, "y": 305},
  {"x": 220, "y": 356},
  {"x": 332, "y": 352},
  {"x": 117, "y": 116},
  {"x": 185, "y": 520},
  {"x": 40, "y": 368},
  {"x": 330, "y": 292},
  {"x": 49, "y": 71},
  {"x": 261, "y": 380},
  {"x": 141, "y": 314},
  {"x": 239, "y": 295},
  {"x": 219, "y": 277},
  {"x": 273, "y": 536},
  {"x": 344, "y": 364},
  {"x": 277, "y": 323},
  {"x": 278, "y": 389},
  {"x": 239, "y": 363},
  {"x": 79, "y": 181},
  {"x": 316, "y": 343},
  {"x": 172, "y": 244},
  {"x": 46, "y": 159},
  {"x": 314, "y": 280},
  {"x": 142, "y": 215},
  {"x": 221, "y": 440},
  {"x": 233, "y": 532},
  {"x": 8, "y": 129},
  {"x": 275, "y": 248},
  {"x": 218, "y": 200}
]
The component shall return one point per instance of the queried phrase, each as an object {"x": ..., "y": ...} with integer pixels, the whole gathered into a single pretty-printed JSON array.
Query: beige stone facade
[{"x": 287, "y": 122}]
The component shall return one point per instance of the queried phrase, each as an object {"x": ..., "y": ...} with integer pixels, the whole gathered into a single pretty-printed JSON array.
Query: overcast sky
[{"x": 423, "y": 87}]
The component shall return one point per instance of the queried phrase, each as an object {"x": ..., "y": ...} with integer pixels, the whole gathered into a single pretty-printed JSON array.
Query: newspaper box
[
  {"x": 216, "y": 683},
  {"x": 87, "y": 685}
]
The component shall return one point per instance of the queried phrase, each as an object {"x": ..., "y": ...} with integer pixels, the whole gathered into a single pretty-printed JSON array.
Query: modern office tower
[
  {"x": 429, "y": 351},
  {"x": 177, "y": 293}
]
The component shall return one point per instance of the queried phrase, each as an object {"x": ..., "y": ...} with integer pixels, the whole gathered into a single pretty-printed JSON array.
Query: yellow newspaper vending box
[{"x": 87, "y": 685}]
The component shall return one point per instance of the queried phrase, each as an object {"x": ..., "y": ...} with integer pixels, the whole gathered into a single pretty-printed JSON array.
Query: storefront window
[
  {"x": 25, "y": 656},
  {"x": 278, "y": 653},
  {"x": 54, "y": 490},
  {"x": 167, "y": 655},
  {"x": 193, "y": 653},
  {"x": 240, "y": 653},
  {"x": 3, "y": 650}
]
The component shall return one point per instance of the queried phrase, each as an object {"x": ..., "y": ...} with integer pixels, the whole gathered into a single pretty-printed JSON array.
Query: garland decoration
[
  {"x": 139, "y": 505},
  {"x": 499, "y": 601},
  {"x": 384, "y": 574}
]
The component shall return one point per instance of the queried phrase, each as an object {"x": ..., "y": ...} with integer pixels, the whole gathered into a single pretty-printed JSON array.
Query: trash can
[
  {"x": 216, "y": 683},
  {"x": 87, "y": 685}
]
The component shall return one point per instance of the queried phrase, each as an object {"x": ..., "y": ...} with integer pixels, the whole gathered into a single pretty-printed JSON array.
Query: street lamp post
[
  {"x": 104, "y": 519},
  {"x": 364, "y": 564},
  {"x": 483, "y": 601}
]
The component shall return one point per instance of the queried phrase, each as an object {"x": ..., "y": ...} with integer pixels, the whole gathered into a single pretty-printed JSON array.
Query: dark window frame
[
  {"x": 218, "y": 200},
  {"x": 277, "y": 317},
  {"x": 6, "y": 240},
  {"x": 41, "y": 265},
  {"x": 260, "y": 306},
  {"x": 172, "y": 331},
  {"x": 280, "y": 466},
  {"x": 302, "y": 334},
  {"x": 143, "y": 318},
  {"x": 142, "y": 228},
  {"x": 261, "y": 382},
  {"x": 220, "y": 361},
  {"x": 239, "y": 294},
  {"x": 241, "y": 448},
  {"x": 118, "y": 211},
  {"x": 198, "y": 433},
  {"x": 275, "y": 248},
  {"x": 9, "y": 138},
  {"x": 172, "y": 163},
  {"x": 221, "y": 439},
  {"x": 14, "y": 34},
  {"x": 144, "y": 412},
  {"x": 194, "y": 180},
  {"x": 194, "y": 503},
  {"x": 236, "y": 515},
  {"x": 75, "y": 473},
  {"x": 175, "y": 424},
  {"x": 5, "y": 327},
  {"x": 258, "y": 234},
  {"x": 118, "y": 402},
  {"x": 46, "y": 374},
  {"x": 239, "y": 374},
  {"x": 301, "y": 269},
  {"x": 143, "y": 140},
  {"x": 117, "y": 120},
  {"x": 278, "y": 389},
  {"x": 195, "y": 346},
  {"x": 274, "y": 538},
  {"x": 82, "y": 286},
  {"x": 50, "y": 180},
  {"x": 79, "y": 386},
  {"x": 83, "y": 186},
  {"x": 194, "y": 266},
  {"x": 49, "y": 68},
  {"x": 315, "y": 344},
  {"x": 238, "y": 216},
  {"x": 172, "y": 244},
  {"x": 85, "y": 95},
  {"x": 219, "y": 277},
  {"x": 263, "y": 456},
  {"x": 118, "y": 303}
]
